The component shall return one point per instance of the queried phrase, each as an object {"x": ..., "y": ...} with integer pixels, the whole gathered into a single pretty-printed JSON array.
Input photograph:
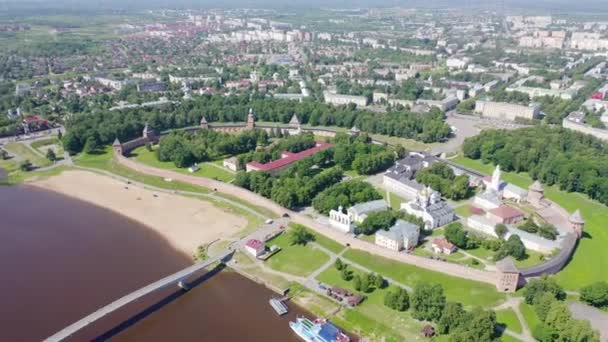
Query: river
[{"x": 61, "y": 259}]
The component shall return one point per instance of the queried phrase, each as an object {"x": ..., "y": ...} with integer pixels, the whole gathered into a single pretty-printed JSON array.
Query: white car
[{"x": 269, "y": 221}]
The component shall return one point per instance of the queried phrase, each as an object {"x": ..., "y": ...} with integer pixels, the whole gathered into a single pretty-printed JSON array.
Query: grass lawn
[
  {"x": 394, "y": 200},
  {"x": 508, "y": 318},
  {"x": 534, "y": 258},
  {"x": 26, "y": 152},
  {"x": 468, "y": 292},
  {"x": 328, "y": 243},
  {"x": 463, "y": 211},
  {"x": 529, "y": 315},
  {"x": 482, "y": 253},
  {"x": 105, "y": 162},
  {"x": 372, "y": 316},
  {"x": 295, "y": 259},
  {"x": 591, "y": 249},
  {"x": 207, "y": 170}
]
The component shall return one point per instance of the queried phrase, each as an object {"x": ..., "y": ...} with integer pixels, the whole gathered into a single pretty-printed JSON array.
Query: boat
[
  {"x": 278, "y": 306},
  {"x": 319, "y": 330}
]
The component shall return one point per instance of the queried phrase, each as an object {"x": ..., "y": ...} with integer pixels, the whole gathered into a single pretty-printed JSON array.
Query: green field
[
  {"x": 25, "y": 152},
  {"x": 529, "y": 315},
  {"x": 394, "y": 200},
  {"x": 295, "y": 259},
  {"x": 207, "y": 170},
  {"x": 509, "y": 319},
  {"x": 468, "y": 292},
  {"x": 372, "y": 316},
  {"x": 591, "y": 249}
]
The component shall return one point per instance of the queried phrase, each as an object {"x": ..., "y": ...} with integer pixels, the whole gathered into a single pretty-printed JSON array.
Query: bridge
[{"x": 177, "y": 278}]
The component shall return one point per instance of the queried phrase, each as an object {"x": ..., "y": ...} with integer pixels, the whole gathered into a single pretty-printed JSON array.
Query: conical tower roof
[
  {"x": 576, "y": 217},
  {"x": 294, "y": 120},
  {"x": 507, "y": 265},
  {"x": 116, "y": 142},
  {"x": 203, "y": 120},
  {"x": 536, "y": 186}
]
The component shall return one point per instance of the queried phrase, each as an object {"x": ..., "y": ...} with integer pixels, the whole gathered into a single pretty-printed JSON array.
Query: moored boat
[{"x": 319, "y": 330}]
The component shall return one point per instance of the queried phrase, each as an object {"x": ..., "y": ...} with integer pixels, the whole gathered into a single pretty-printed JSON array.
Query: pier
[{"x": 176, "y": 278}]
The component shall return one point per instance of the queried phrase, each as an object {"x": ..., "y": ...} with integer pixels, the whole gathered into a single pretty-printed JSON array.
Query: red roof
[
  {"x": 443, "y": 244},
  {"x": 255, "y": 244},
  {"x": 597, "y": 96},
  {"x": 506, "y": 212},
  {"x": 290, "y": 157}
]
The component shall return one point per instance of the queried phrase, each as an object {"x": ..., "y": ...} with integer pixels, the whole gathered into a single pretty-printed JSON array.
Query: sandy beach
[{"x": 185, "y": 222}]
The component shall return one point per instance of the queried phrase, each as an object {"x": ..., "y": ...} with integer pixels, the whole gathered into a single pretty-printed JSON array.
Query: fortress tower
[
  {"x": 577, "y": 222},
  {"x": 250, "y": 119},
  {"x": 204, "y": 124}
]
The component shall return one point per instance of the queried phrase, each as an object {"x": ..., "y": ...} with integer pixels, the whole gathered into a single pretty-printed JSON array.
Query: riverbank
[{"x": 184, "y": 222}]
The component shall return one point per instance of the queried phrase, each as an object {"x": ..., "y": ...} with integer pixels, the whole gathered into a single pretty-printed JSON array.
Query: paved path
[
  {"x": 597, "y": 318},
  {"x": 513, "y": 303}
]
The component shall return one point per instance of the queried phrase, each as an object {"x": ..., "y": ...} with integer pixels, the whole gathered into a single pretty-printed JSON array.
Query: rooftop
[
  {"x": 505, "y": 212},
  {"x": 290, "y": 157},
  {"x": 254, "y": 243}
]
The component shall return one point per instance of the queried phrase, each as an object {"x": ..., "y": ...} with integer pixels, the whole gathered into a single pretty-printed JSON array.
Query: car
[{"x": 269, "y": 221}]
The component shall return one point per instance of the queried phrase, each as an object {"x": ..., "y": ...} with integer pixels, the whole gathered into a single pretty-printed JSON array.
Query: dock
[{"x": 278, "y": 306}]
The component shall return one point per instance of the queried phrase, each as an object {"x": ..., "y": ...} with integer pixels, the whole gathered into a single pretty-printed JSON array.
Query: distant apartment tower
[{"x": 506, "y": 111}]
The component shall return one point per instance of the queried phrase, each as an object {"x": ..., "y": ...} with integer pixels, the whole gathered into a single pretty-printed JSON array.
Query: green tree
[
  {"x": 376, "y": 221},
  {"x": 480, "y": 325},
  {"x": 50, "y": 155},
  {"x": 380, "y": 282},
  {"x": 542, "y": 304},
  {"x": 537, "y": 286},
  {"x": 3, "y": 154},
  {"x": 455, "y": 234},
  {"x": 346, "y": 274},
  {"x": 298, "y": 235},
  {"x": 397, "y": 299},
  {"x": 91, "y": 145},
  {"x": 338, "y": 264},
  {"x": 427, "y": 302},
  {"x": 25, "y": 165},
  {"x": 452, "y": 317},
  {"x": 596, "y": 294},
  {"x": 544, "y": 333},
  {"x": 501, "y": 230},
  {"x": 512, "y": 247}
]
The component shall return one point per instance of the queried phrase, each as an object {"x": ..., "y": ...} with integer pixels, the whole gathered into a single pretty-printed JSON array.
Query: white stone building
[
  {"x": 506, "y": 111},
  {"x": 430, "y": 208},
  {"x": 403, "y": 235}
]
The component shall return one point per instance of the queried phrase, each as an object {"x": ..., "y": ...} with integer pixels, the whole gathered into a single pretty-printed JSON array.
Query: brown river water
[{"x": 61, "y": 259}]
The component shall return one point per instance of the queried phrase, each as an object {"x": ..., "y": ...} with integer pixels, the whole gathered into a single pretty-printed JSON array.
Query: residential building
[
  {"x": 506, "y": 111},
  {"x": 403, "y": 235},
  {"x": 337, "y": 99},
  {"x": 443, "y": 246},
  {"x": 255, "y": 247},
  {"x": 505, "y": 215}
]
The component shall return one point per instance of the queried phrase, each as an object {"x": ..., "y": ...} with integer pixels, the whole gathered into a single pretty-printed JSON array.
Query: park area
[{"x": 213, "y": 170}]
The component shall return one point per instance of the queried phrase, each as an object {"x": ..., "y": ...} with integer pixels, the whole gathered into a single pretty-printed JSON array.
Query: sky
[{"x": 559, "y": 6}]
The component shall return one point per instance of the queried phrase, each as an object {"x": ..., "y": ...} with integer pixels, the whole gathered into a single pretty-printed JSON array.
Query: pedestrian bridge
[{"x": 177, "y": 278}]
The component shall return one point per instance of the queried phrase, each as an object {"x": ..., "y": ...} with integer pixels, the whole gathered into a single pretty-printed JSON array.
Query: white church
[
  {"x": 429, "y": 206},
  {"x": 497, "y": 191}
]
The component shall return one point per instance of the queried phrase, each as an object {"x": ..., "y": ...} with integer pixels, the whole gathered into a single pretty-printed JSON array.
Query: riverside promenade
[{"x": 455, "y": 270}]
